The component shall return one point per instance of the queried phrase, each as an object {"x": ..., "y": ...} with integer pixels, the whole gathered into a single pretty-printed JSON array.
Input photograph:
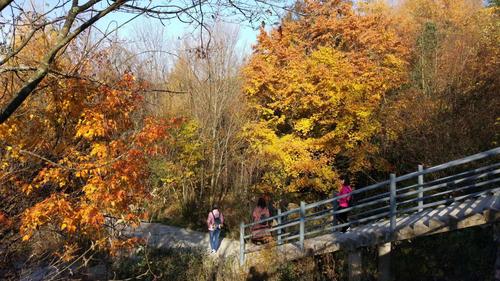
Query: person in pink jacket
[
  {"x": 215, "y": 221},
  {"x": 259, "y": 231},
  {"x": 344, "y": 202}
]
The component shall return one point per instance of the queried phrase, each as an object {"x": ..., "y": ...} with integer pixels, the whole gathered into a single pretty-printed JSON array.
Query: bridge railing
[{"x": 454, "y": 181}]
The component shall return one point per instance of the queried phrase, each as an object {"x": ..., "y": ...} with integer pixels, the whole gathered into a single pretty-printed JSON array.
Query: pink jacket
[
  {"x": 211, "y": 219},
  {"x": 344, "y": 202},
  {"x": 258, "y": 212}
]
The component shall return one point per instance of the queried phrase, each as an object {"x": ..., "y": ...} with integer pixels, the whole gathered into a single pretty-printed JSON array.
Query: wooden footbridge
[{"x": 451, "y": 196}]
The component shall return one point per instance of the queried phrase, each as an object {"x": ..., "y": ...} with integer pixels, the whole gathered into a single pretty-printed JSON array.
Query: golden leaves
[
  {"x": 316, "y": 84},
  {"x": 99, "y": 149},
  {"x": 91, "y": 125},
  {"x": 53, "y": 209}
]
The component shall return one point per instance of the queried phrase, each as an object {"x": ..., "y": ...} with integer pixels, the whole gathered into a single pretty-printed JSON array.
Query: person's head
[
  {"x": 261, "y": 202},
  {"x": 267, "y": 197},
  {"x": 215, "y": 207},
  {"x": 344, "y": 180}
]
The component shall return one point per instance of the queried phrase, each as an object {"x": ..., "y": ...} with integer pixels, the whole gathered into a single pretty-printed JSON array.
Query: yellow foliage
[{"x": 317, "y": 83}]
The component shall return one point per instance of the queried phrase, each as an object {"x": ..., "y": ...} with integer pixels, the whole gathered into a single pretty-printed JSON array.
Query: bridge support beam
[
  {"x": 355, "y": 266},
  {"x": 384, "y": 262}
]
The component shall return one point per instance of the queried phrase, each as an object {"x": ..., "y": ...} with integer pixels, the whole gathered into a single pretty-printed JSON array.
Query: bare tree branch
[
  {"x": 64, "y": 38},
  {"x": 194, "y": 11},
  {"x": 4, "y": 3}
]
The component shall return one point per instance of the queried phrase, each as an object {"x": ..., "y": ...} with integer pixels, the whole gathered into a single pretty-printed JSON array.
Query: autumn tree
[
  {"x": 317, "y": 83},
  {"x": 202, "y": 167},
  {"x": 450, "y": 107},
  {"x": 74, "y": 161}
]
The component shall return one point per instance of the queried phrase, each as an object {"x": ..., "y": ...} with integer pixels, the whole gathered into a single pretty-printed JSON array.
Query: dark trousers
[{"x": 342, "y": 218}]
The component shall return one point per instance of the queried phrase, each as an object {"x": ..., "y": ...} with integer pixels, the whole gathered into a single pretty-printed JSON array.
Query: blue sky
[{"x": 174, "y": 29}]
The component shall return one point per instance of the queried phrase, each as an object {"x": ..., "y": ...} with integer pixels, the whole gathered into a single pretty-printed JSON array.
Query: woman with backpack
[
  {"x": 260, "y": 212},
  {"x": 215, "y": 221}
]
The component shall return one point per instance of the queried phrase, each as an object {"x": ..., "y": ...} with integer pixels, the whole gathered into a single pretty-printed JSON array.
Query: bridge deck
[{"x": 472, "y": 212}]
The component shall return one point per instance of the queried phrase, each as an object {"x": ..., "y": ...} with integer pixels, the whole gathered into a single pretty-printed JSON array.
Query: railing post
[
  {"x": 279, "y": 225},
  {"x": 302, "y": 224},
  {"x": 420, "y": 189},
  {"x": 242, "y": 243},
  {"x": 393, "y": 203},
  {"x": 335, "y": 209}
]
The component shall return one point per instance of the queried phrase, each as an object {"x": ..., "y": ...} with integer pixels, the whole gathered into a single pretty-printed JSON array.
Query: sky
[{"x": 175, "y": 30}]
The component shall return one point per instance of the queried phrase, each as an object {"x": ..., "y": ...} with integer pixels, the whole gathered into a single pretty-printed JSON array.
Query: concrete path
[{"x": 164, "y": 236}]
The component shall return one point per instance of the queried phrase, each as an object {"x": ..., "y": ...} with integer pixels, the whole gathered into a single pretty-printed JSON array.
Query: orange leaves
[
  {"x": 55, "y": 209},
  {"x": 118, "y": 246},
  {"x": 47, "y": 176},
  {"x": 90, "y": 216},
  {"x": 78, "y": 152},
  {"x": 91, "y": 125},
  {"x": 85, "y": 159},
  {"x": 4, "y": 221},
  {"x": 155, "y": 132},
  {"x": 68, "y": 224},
  {"x": 68, "y": 216}
]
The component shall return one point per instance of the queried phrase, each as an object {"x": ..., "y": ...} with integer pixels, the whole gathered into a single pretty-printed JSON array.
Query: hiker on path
[
  {"x": 215, "y": 221},
  {"x": 344, "y": 203},
  {"x": 260, "y": 212}
]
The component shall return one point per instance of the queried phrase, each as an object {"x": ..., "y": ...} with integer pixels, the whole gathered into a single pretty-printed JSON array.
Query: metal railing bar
[
  {"x": 289, "y": 212},
  {"x": 355, "y": 207},
  {"x": 291, "y": 237},
  {"x": 319, "y": 230},
  {"x": 459, "y": 182},
  {"x": 374, "y": 197},
  {"x": 281, "y": 226},
  {"x": 372, "y": 211},
  {"x": 284, "y": 225},
  {"x": 450, "y": 200},
  {"x": 455, "y": 182},
  {"x": 329, "y": 210},
  {"x": 449, "y": 191},
  {"x": 264, "y": 231},
  {"x": 359, "y": 206},
  {"x": 398, "y": 190},
  {"x": 472, "y": 172},
  {"x": 465, "y": 160},
  {"x": 311, "y": 219},
  {"x": 429, "y": 183},
  {"x": 354, "y": 192}
]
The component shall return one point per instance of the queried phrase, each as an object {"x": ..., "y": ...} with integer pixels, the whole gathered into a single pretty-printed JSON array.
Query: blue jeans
[{"x": 214, "y": 239}]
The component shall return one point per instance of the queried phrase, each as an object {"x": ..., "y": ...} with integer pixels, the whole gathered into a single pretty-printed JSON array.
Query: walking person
[
  {"x": 215, "y": 221},
  {"x": 344, "y": 202},
  {"x": 259, "y": 231}
]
